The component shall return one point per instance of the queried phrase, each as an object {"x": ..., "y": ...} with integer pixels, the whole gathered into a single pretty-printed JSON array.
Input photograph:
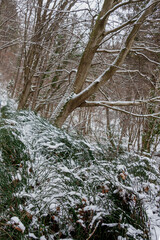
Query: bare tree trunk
[
  {"x": 96, "y": 37},
  {"x": 44, "y": 31},
  {"x": 69, "y": 102}
]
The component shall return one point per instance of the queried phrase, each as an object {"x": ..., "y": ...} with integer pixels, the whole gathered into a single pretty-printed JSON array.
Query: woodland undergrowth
[{"x": 54, "y": 185}]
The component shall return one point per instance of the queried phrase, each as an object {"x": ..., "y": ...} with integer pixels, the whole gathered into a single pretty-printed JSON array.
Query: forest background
[{"x": 91, "y": 67}]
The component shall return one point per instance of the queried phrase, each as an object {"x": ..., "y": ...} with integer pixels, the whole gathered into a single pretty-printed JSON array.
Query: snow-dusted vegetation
[
  {"x": 78, "y": 68},
  {"x": 57, "y": 186}
]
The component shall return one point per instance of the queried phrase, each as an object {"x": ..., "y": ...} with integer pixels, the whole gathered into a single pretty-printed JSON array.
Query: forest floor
[{"x": 57, "y": 186}]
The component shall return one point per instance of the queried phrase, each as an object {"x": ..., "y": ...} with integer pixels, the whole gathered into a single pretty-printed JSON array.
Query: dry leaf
[
  {"x": 29, "y": 215},
  {"x": 17, "y": 228},
  {"x": 146, "y": 189},
  {"x": 123, "y": 175},
  {"x": 58, "y": 209},
  {"x": 105, "y": 189}
]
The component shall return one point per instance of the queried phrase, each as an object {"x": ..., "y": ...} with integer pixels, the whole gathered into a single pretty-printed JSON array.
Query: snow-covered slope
[{"x": 61, "y": 187}]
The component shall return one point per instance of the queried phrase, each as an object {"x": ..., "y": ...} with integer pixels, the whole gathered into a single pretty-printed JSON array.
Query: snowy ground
[{"x": 52, "y": 180}]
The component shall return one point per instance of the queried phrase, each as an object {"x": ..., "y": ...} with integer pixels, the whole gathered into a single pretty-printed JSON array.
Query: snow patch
[{"x": 17, "y": 224}]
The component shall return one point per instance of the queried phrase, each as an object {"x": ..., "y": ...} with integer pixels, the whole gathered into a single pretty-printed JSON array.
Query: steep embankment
[{"x": 57, "y": 186}]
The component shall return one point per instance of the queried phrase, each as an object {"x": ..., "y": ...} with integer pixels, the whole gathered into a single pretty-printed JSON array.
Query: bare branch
[
  {"x": 143, "y": 55},
  {"x": 120, "y": 103},
  {"x": 111, "y": 105},
  {"x": 118, "y": 6},
  {"x": 83, "y": 95}
]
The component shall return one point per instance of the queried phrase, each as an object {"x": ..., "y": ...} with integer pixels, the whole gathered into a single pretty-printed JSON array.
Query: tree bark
[
  {"x": 96, "y": 37},
  {"x": 71, "y": 102}
]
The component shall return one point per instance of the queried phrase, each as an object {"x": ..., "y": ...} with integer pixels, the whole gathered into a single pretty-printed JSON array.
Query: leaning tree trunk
[{"x": 75, "y": 97}]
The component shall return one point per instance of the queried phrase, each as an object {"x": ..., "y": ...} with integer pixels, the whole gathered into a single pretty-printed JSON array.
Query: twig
[{"x": 93, "y": 231}]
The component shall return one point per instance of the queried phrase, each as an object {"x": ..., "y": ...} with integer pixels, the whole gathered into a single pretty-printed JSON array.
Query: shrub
[{"x": 59, "y": 186}]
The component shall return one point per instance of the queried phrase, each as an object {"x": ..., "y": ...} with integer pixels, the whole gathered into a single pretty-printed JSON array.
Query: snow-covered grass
[{"x": 57, "y": 186}]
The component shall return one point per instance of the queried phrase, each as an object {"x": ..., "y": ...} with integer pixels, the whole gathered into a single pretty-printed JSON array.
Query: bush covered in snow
[{"x": 57, "y": 186}]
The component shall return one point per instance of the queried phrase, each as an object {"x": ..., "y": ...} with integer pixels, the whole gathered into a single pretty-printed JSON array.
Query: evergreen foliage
[{"x": 60, "y": 187}]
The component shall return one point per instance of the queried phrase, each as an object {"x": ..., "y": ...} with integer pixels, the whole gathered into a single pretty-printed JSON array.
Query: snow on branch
[
  {"x": 146, "y": 49},
  {"x": 10, "y": 44},
  {"x": 106, "y": 75},
  {"x": 131, "y": 21},
  {"x": 118, "y": 6},
  {"x": 150, "y": 60},
  {"x": 155, "y": 100},
  {"x": 108, "y": 51},
  {"x": 114, "y": 106},
  {"x": 116, "y": 51}
]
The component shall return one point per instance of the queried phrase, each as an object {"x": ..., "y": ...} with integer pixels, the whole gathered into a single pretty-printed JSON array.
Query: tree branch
[
  {"x": 96, "y": 37},
  {"x": 93, "y": 87},
  {"x": 111, "y": 105},
  {"x": 118, "y": 6},
  {"x": 120, "y": 103}
]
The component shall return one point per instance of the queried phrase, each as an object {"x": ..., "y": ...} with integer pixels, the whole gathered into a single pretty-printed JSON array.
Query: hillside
[{"x": 57, "y": 186}]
